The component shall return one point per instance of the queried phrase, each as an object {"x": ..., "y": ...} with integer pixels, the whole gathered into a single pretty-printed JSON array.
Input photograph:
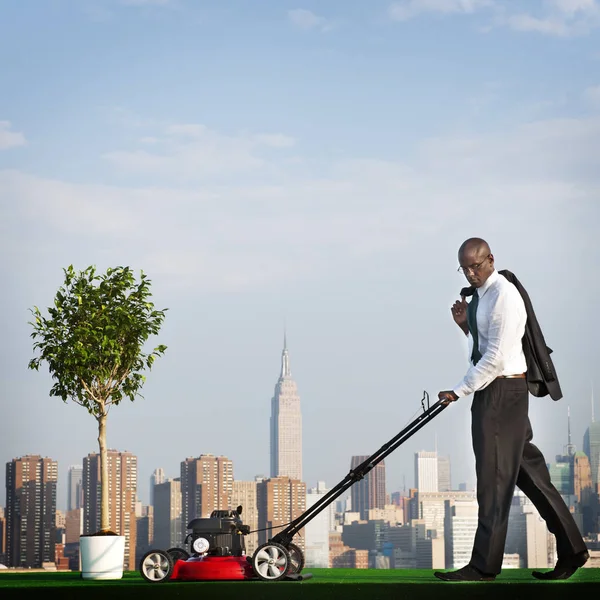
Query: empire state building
[{"x": 286, "y": 424}]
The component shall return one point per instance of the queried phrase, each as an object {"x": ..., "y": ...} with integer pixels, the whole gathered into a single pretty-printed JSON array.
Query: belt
[{"x": 517, "y": 376}]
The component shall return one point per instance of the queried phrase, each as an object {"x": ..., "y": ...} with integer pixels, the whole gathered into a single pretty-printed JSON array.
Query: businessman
[{"x": 503, "y": 345}]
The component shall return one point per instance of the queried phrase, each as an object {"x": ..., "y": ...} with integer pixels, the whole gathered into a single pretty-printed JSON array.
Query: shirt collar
[{"x": 488, "y": 282}]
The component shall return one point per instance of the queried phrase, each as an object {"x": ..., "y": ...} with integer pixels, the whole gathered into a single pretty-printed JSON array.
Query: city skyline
[
  {"x": 64, "y": 483},
  {"x": 450, "y": 513},
  {"x": 568, "y": 448},
  {"x": 307, "y": 167},
  {"x": 285, "y": 376}
]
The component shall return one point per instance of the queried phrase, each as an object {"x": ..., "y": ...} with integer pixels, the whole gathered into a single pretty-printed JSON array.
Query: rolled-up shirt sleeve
[{"x": 505, "y": 327}]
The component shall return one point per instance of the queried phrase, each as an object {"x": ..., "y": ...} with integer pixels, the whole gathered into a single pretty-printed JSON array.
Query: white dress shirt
[{"x": 501, "y": 318}]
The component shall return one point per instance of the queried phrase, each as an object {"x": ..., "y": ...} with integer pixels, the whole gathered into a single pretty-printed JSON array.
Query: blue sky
[{"x": 313, "y": 164}]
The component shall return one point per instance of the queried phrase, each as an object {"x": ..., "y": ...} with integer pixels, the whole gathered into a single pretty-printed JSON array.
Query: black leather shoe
[
  {"x": 565, "y": 567},
  {"x": 467, "y": 573}
]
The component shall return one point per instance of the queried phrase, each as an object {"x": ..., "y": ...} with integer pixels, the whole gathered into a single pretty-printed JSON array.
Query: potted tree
[{"x": 93, "y": 343}]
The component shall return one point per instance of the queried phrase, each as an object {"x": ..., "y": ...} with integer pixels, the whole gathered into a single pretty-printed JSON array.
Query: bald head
[
  {"x": 476, "y": 260},
  {"x": 475, "y": 247}
]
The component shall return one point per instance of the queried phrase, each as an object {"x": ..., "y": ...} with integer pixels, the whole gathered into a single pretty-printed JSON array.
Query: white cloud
[
  {"x": 408, "y": 9},
  {"x": 9, "y": 138},
  {"x": 547, "y": 25},
  {"x": 572, "y": 7},
  {"x": 560, "y": 18},
  {"x": 192, "y": 152},
  {"x": 245, "y": 232},
  {"x": 591, "y": 97},
  {"x": 306, "y": 19}
]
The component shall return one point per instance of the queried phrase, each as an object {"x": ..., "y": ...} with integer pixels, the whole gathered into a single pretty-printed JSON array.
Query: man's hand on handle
[
  {"x": 459, "y": 314},
  {"x": 447, "y": 397}
]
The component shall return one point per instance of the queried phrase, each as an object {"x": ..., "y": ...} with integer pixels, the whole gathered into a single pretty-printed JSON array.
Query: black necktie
[{"x": 472, "y": 322}]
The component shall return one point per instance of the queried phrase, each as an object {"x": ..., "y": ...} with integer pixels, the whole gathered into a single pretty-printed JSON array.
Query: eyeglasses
[{"x": 474, "y": 267}]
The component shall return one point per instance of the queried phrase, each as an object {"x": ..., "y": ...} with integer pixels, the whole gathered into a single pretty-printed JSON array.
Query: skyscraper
[
  {"x": 591, "y": 446},
  {"x": 444, "y": 478},
  {"x": 167, "y": 514},
  {"x": 75, "y": 487},
  {"x": 286, "y": 424},
  {"x": 460, "y": 525},
  {"x": 245, "y": 495},
  {"x": 280, "y": 500},
  {"x": 317, "y": 530},
  {"x": 157, "y": 477},
  {"x": 528, "y": 535},
  {"x": 30, "y": 511},
  {"x": 426, "y": 471},
  {"x": 562, "y": 472},
  {"x": 206, "y": 485},
  {"x": 2, "y": 537},
  {"x": 368, "y": 492},
  {"x": 122, "y": 492}
]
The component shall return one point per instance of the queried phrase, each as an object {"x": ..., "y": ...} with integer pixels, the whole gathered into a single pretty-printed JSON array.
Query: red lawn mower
[{"x": 217, "y": 550}]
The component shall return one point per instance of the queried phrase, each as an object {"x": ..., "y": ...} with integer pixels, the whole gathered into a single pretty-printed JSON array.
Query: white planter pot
[{"x": 102, "y": 556}]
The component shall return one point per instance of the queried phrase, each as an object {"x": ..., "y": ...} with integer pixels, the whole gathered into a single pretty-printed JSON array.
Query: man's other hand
[
  {"x": 459, "y": 314},
  {"x": 447, "y": 397}
]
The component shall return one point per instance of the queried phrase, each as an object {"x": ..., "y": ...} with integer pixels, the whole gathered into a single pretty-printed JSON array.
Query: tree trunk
[{"x": 104, "y": 516}]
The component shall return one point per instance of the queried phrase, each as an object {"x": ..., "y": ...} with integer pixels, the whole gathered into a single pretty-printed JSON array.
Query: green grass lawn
[{"x": 366, "y": 584}]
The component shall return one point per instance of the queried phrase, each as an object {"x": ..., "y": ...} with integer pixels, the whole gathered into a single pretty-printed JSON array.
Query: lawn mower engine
[{"x": 220, "y": 535}]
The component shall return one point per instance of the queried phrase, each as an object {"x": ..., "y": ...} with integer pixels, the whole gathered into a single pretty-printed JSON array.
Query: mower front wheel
[
  {"x": 271, "y": 561},
  {"x": 156, "y": 566}
]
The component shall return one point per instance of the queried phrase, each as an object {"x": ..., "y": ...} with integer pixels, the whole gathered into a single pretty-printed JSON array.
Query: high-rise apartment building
[
  {"x": 206, "y": 485},
  {"x": 582, "y": 477},
  {"x": 2, "y": 537},
  {"x": 444, "y": 476},
  {"x": 31, "y": 511},
  {"x": 591, "y": 446},
  {"x": 460, "y": 526},
  {"x": 244, "y": 494},
  {"x": 73, "y": 526},
  {"x": 144, "y": 532},
  {"x": 286, "y": 424},
  {"x": 431, "y": 508},
  {"x": 280, "y": 500},
  {"x": 122, "y": 492},
  {"x": 158, "y": 476},
  {"x": 167, "y": 515},
  {"x": 317, "y": 530},
  {"x": 368, "y": 492},
  {"x": 426, "y": 471},
  {"x": 562, "y": 475},
  {"x": 75, "y": 487},
  {"x": 73, "y": 530},
  {"x": 528, "y": 536},
  {"x": 343, "y": 557},
  {"x": 562, "y": 472}
]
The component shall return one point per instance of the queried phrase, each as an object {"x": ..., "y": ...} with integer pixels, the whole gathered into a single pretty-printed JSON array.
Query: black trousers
[{"x": 505, "y": 458}]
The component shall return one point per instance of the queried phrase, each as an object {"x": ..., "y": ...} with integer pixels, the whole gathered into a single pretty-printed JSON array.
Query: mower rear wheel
[
  {"x": 271, "y": 561},
  {"x": 156, "y": 566},
  {"x": 296, "y": 559},
  {"x": 177, "y": 554}
]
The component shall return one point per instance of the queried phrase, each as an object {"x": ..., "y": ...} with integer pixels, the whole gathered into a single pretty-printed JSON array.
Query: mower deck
[{"x": 213, "y": 568}]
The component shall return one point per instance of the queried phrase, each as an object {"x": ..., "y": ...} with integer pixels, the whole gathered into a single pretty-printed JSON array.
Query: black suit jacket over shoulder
[{"x": 542, "y": 379}]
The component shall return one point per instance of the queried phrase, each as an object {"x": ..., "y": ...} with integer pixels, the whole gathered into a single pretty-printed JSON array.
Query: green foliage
[{"x": 93, "y": 337}]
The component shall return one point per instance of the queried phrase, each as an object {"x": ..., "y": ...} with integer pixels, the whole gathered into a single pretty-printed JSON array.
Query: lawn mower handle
[{"x": 285, "y": 536}]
